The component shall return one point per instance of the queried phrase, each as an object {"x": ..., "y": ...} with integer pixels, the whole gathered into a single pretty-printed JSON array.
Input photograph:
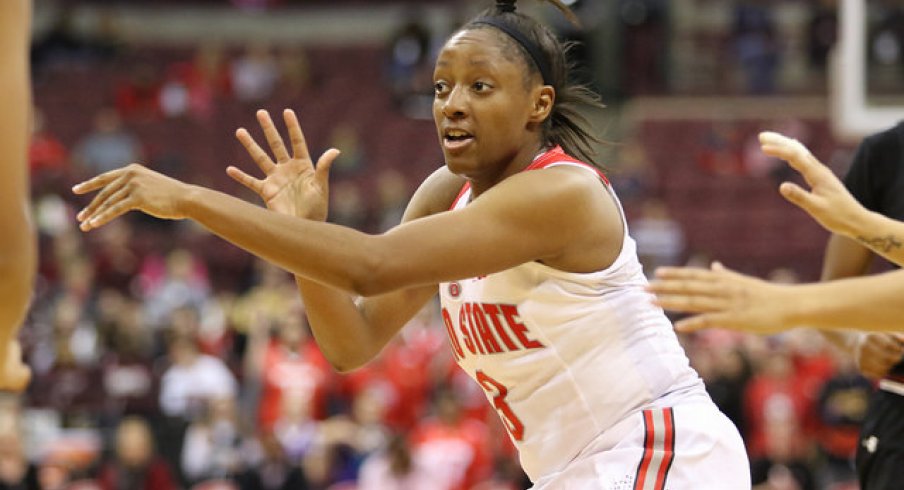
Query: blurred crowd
[{"x": 164, "y": 358}]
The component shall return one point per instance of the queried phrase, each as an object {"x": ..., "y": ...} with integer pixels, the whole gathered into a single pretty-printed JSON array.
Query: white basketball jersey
[{"x": 564, "y": 356}]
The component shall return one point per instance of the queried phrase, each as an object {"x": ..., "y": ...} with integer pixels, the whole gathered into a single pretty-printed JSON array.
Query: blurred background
[{"x": 166, "y": 358}]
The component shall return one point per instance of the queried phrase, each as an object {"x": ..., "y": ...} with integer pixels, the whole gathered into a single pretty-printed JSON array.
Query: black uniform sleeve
[
  {"x": 876, "y": 177},
  {"x": 858, "y": 179}
]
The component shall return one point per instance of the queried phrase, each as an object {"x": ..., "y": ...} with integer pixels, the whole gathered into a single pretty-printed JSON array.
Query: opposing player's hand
[
  {"x": 14, "y": 374},
  {"x": 827, "y": 201},
  {"x": 292, "y": 184},
  {"x": 131, "y": 187},
  {"x": 724, "y": 299},
  {"x": 877, "y": 353}
]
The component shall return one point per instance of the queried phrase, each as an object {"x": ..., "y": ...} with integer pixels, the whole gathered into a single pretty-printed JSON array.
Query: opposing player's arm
[
  {"x": 871, "y": 303},
  {"x": 17, "y": 251},
  {"x": 727, "y": 299},
  {"x": 874, "y": 353},
  {"x": 844, "y": 257},
  {"x": 881, "y": 234},
  {"x": 351, "y": 332},
  {"x": 830, "y": 203}
]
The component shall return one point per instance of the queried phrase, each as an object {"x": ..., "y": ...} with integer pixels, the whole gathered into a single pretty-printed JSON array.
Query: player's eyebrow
[{"x": 473, "y": 62}]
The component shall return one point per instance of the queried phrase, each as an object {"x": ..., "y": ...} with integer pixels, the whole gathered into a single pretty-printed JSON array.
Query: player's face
[{"x": 482, "y": 104}]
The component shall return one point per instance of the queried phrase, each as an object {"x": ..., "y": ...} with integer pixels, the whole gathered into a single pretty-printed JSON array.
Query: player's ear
[{"x": 544, "y": 98}]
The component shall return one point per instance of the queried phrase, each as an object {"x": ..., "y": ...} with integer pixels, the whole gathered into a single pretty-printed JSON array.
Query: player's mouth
[{"x": 456, "y": 140}]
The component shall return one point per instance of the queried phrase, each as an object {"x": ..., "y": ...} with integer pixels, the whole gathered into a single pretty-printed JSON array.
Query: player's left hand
[
  {"x": 724, "y": 299},
  {"x": 827, "y": 201},
  {"x": 292, "y": 184},
  {"x": 131, "y": 187}
]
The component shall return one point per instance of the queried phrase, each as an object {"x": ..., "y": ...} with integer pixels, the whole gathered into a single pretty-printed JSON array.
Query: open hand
[
  {"x": 291, "y": 185},
  {"x": 724, "y": 299},
  {"x": 827, "y": 201},
  {"x": 128, "y": 188}
]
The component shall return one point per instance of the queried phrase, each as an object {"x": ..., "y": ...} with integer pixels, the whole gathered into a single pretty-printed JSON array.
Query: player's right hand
[
  {"x": 291, "y": 185},
  {"x": 877, "y": 353},
  {"x": 827, "y": 201},
  {"x": 131, "y": 187}
]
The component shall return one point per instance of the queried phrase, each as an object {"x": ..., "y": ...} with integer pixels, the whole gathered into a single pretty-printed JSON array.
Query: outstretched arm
[
  {"x": 17, "y": 245},
  {"x": 727, "y": 299},
  {"x": 528, "y": 216},
  {"x": 829, "y": 203}
]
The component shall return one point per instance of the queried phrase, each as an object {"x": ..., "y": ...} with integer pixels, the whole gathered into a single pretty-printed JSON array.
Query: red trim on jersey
[
  {"x": 665, "y": 449},
  {"x": 555, "y": 155},
  {"x": 669, "y": 455},
  {"x": 461, "y": 193},
  {"x": 648, "y": 439}
]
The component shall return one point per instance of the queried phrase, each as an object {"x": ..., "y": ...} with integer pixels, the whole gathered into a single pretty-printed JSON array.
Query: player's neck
[{"x": 516, "y": 164}]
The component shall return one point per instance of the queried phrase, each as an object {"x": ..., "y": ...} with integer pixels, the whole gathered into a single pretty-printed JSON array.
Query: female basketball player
[
  {"x": 17, "y": 243},
  {"x": 735, "y": 301},
  {"x": 541, "y": 290}
]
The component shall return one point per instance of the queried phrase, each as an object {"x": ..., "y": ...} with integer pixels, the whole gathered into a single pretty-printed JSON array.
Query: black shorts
[{"x": 880, "y": 454}]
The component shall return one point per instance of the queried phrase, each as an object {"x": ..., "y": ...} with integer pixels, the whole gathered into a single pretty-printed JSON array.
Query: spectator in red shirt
[
  {"x": 450, "y": 447},
  {"x": 138, "y": 96},
  {"x": 289, "y": 363},
  {"x": 48, "y": 158},
  {"x": 773, "y": 396},
  {"x": 193, "y": 87}
]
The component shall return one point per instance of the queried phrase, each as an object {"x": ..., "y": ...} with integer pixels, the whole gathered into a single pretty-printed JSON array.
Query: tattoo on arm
[{"x": 885, "y": 244}]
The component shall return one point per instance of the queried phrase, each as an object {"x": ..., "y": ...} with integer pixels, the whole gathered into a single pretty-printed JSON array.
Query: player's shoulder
[
  {"x": 559, "y": 161},
  {"x": 886, "y": 145},
  {"x": 877, "y": 163},
  {"x": 568, "y": 182},
  {"x": 897, "y": 130},
  {"x": 435, "y": 194}
]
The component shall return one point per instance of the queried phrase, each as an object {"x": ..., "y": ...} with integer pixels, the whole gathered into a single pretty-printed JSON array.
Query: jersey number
[{"x": 499, "y": 391}]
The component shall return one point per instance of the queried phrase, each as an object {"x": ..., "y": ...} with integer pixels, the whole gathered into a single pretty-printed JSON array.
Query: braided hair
[{"x": 544, "y": 55}]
